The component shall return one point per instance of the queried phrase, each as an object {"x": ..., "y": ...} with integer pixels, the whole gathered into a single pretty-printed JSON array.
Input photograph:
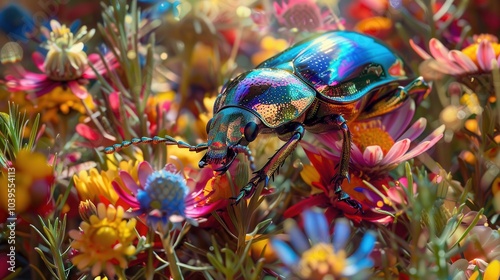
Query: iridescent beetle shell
[
  {"x": 275, "y": 96},
  {"x": 338, "y": 67},
  {"x": 318, "y": 85}
]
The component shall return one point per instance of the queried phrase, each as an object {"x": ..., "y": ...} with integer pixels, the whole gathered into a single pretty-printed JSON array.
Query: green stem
[
  {"x": 175, "y": 270},
  {"x": 496, "y": 86},
  {"x": 120, "y": 273},
  {"x": 150, "y": 270},
  {"x": 184, "y": 87}
]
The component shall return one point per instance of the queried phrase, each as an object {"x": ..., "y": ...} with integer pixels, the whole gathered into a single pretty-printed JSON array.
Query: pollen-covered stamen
[
  {"x": 321, "y": 262},
  {"x": 66, "y": 59},
  {"x": 372, "y": 133}
]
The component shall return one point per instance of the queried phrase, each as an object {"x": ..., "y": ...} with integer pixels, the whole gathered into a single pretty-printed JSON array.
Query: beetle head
[{"x": 229, "y": 132}]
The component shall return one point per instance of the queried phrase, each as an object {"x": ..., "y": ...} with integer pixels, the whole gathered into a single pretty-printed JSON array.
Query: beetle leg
[
  {"x": 272, "y": 164},
  {"x": 343, "y": 169},
  {"x": 418, "y": 88}
]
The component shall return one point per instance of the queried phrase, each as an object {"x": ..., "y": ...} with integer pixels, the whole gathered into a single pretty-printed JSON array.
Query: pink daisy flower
[
  {"x": 66, "y": 63},
  {"x": 305, "y": 15},
  {"x": 165, "y": 195},
  {"x": 476, "y": 58},
  {"x": 382, "y": 143}
]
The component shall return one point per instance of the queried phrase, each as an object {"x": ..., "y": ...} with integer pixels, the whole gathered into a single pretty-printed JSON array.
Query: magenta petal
[
  {"x": 356, "y": 154},
  {"x": 129, "y": 182},
  {"x": 78, "y": 90},
  {"x": 422, "y": 147},
  {"x": 114, "y": 100},
  {"x": 397, "y": 150},
  {"x": 419, "y": 149},
  {"x": 309, "y": 147},
  {"x": 319, "y": 200},
  {"x": 396, "y": 194},
  {"x": 328, "y": 139},
  {"x": 440, "y": 53},
  {"x": 129, "y": 199},
  {"x": 30, "y": 76},
  {"x": 94, "y": 58},
  {"x": 415, "y": 130},
  {"x": 438, "y": 132},
  {"x": 426, "y": 144},
  {"x": 423, "y": 54},
  {"x": 195, "y": 211},
  {"x": 485, "y": 54},
  {"x": 396, "y": 122},
  {"x": 45, "y": 87},
  {"x": 144, "y": 170},
  {"x": 39, "y": 60},
  {"x": 87, "y": 132},
  {"x": 373, "y": 155},
  {"x": 464, "y": 61}
]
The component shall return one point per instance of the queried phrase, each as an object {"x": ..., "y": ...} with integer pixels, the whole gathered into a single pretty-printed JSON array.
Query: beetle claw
[
  {"x": 344, "y": 197},
  {"x": 245, "y": 191}
]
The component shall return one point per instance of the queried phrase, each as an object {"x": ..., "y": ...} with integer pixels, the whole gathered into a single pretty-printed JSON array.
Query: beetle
[{"x": 318, "y": 85}]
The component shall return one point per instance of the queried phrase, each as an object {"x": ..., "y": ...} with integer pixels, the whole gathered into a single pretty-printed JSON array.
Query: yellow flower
[
  {"x": 492, "y": 272},
  {"x": 61, "y": 101},
  {"x": 93, "y": 184},
  {"x": 495, "y": 189},
  {"x": 261, "y": 249},
  {"x": 104, "y": 243},
  {"x": 321, "y": 261},
  {"x": 269, "y": 47},
  {"x": 33, "y": 178},
  {"x": 471, "y": 50},
  {"x": 310, "y": 175},
  {"x": 204, "y": 117}
]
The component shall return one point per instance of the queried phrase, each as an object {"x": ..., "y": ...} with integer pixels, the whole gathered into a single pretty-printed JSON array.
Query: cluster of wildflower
[{"x": 417, "y": 194}]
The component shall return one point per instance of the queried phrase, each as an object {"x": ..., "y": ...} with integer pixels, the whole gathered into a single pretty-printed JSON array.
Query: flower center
[
  {"x": 105, "y": 237},
  {"x": 164, "y": 191},
  {"x": 66, "y": 60},
  {"x": 365, "y": 134},
  {"x": 320, "y": 261},
  {"x": 471, "y": 51}
]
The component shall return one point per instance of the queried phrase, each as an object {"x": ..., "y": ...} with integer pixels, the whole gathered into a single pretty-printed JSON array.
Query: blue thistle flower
[{"x": 163, "y": 197}]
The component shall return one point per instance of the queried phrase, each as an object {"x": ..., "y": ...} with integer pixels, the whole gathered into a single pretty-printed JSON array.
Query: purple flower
[{"x": 163, "y": 196}]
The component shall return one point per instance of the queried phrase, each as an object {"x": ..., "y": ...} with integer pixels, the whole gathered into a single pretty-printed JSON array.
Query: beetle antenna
[
  {"x": 246, "y": 151},
  {"x": 167, "y": 140}
]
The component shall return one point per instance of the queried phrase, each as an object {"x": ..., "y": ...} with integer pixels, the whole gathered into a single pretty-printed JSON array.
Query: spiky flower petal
[{"x": 104, "y": 242}]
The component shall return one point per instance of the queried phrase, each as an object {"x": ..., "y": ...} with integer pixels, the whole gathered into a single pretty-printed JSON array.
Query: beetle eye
[
  {"x": 209, "y": 123},
  {"x": 251, "y": 131}
]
